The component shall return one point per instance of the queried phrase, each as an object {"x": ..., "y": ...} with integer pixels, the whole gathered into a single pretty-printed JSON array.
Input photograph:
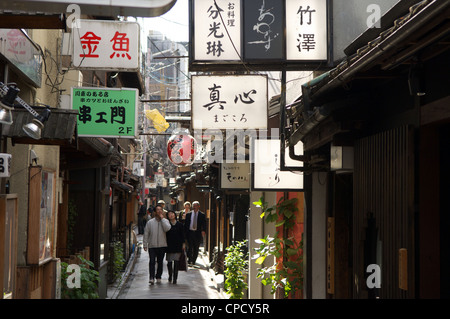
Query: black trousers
[
  {"x": 194, "y": 239},
  {"x": 156, "y": 258}
]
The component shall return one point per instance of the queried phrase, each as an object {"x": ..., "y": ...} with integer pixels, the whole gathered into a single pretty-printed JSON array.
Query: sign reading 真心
[
  {"x": 229, "y": 102},
  {"x": 105, "y": 112}
]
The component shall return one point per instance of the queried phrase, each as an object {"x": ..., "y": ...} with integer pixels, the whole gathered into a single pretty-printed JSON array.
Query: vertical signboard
[
  {"x": 263, "y": 29},
  {"x": 215, "y": 22},
  {"x": 109, "y": 45},
  {"x": 306, "y": 30},
  {"x": 266, "y": 172},
  {"x": 229, "y": 102},
  {"x": 106, "y": 112}
]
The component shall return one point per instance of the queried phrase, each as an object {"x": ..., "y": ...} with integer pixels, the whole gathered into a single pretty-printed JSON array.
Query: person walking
[
  {"x": 182, "y": 220},
  {"x": 183, "y": 213},
  {"x": 163, "y": 204},
  {"x": 156, "y": 242},
  {"x": 175, "y": 243},
  {"x": 195, "y": 228},
  {"x": 141, "y": 217}
]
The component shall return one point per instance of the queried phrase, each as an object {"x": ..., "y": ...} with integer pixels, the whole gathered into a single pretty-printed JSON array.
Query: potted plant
[{"x": 236, "y": 266}]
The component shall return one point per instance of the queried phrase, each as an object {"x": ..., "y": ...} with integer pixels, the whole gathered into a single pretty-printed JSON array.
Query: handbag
[{"x": 182, "y": 263}]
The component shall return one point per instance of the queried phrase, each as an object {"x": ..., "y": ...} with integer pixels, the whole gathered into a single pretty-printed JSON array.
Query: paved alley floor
[{"x": 196, "y": 283}]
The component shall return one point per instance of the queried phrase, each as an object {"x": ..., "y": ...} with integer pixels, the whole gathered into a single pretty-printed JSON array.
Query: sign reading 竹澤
[
  {"x": 229, "y": 102},
  {"x": 107, "y": 45},
  {"x": 306, "y": 30},
  {"x": 105, "y": 112}
]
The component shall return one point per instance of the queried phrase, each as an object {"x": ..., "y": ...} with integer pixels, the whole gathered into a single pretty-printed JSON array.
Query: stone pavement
[{"x": 197, "y": 283}]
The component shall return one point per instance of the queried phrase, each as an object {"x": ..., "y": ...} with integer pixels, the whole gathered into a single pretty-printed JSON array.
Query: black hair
[{"x": 172, "y": 211}]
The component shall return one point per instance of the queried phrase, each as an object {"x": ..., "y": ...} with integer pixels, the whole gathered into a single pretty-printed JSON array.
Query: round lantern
[{"x": 181, "y": 149}]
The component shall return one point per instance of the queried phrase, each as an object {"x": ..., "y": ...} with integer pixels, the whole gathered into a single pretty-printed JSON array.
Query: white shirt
[{"x": 193, "y": 216}]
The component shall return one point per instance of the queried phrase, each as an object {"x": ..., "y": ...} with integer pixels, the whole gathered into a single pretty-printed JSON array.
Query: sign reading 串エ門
[{"x": 105, "y": 112}]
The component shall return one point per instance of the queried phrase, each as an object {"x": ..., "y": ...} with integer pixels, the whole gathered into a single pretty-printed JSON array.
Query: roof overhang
[
  {"x": 425, "y": 25},
  {"x": 32, "y": 20},
  {"x": 60, "y": 129},
  {"x": 108, "y": 8}
]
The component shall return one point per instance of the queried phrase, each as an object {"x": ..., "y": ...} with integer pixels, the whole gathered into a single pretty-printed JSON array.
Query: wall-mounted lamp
[
  {"x": 9, "y": 96},
  {"x": 7, "y": 104},
  {"x": 34, "y": 129}
]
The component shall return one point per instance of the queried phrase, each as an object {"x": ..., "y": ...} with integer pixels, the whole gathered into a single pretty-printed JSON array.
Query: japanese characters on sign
[
  {"x": 229, "y": 102},
  {"x": 281, "y": 30},
  {"x": 263, "y": 29},
  {"x": 110, "y": 45},
  {"x": 306, "y": 30},
  {"x": 214, "y": 21},
  {"x": 235, "y": 175},
  {"x": 22, "y": 53},
  {"x": 105, "y": 112},
  {"x": 267, "y": 174}
]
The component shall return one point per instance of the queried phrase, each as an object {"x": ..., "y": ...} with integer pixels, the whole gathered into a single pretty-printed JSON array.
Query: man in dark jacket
[{"x": 195, "y": 228}]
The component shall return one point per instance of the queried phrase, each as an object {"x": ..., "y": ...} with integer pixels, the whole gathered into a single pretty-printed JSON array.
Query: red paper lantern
[{"x": 181, "y": 149}]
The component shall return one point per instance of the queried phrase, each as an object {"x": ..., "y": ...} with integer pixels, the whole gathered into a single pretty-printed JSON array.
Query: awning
[
  {"x": 60, "y": 129},
  {"x": 31, "y": 20},
  {"x": 111, "y": 8}
]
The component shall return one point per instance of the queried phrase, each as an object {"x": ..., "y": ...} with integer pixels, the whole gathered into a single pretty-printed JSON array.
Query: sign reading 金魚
[
  {"x": 106, "y": 112},
  {"x": 108, "y": 45}
]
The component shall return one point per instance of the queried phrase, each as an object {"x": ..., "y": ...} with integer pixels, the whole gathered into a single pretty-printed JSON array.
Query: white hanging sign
[
  {"x": 5, "y": 164},
  {"x": 306, "y": 30},
  {"x": 235, "y": 176},
  {"x": 229, "y": 102},
  {"x": 107, "y": 45},
  {"x": 214, "y": 26},
  {"x": 266, "y": 174}
]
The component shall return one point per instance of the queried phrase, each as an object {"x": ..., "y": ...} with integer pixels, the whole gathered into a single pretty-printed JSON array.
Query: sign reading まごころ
[{"x": 105, "y": 112}]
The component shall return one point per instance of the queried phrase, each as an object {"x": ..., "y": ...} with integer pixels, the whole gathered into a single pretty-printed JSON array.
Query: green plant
[
  {"x": 118, "y": 259},
  {"x": 89, "y": 279},
  {"x": 236, "y": 265},
  {"x": 287, "y": 274}
]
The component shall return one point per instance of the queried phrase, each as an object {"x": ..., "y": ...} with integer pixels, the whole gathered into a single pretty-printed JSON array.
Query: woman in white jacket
[{"x": 156, "y": 242}]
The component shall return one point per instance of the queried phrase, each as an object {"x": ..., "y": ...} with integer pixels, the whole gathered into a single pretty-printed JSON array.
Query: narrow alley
[{"x": 196, "y": 283}]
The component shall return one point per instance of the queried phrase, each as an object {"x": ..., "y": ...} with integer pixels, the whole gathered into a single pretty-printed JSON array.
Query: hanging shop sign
[
  {"x": 263, "y": 29},
  {"x": 5, "y": 164},
  {"x": 217, "y": 30},
  {"x": 106, "y": 45},
  {"x": 258, "y": 32},
  {"x": 266, "y": 172},
  {"x": 229, "y": 102},
  {"x": 18, "y": 49},
  {"x": 235, "y": 175},
  {"x": 106, "y": 112},
  {"x": 306, "y": 30}
]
